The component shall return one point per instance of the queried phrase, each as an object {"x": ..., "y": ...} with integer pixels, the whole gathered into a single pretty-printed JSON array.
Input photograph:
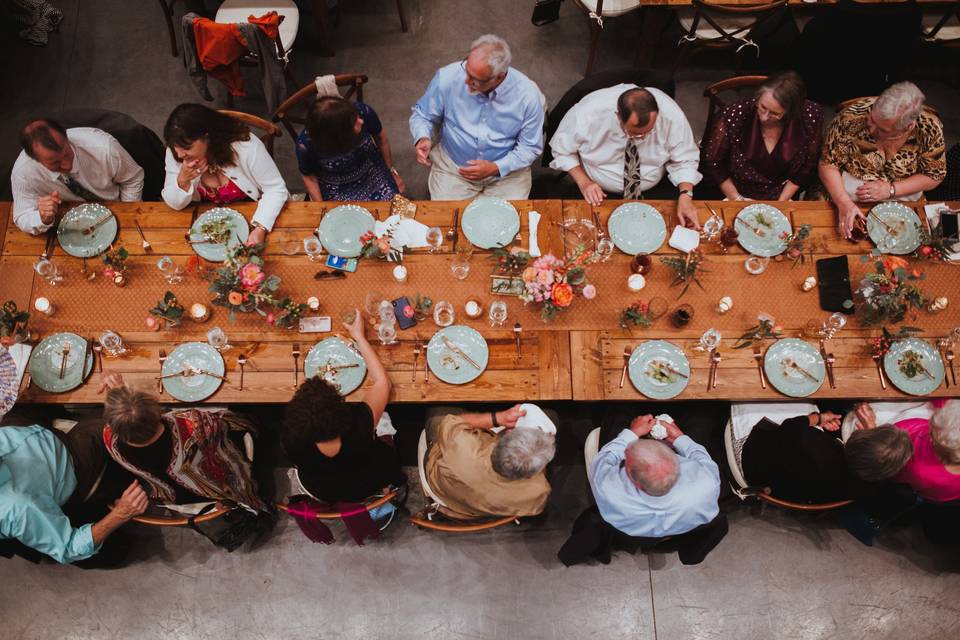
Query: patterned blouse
[
  {"x": 850, "y": 147},
  {"x": 736, "y": 150},
  {"x": 356, "y": 175}
]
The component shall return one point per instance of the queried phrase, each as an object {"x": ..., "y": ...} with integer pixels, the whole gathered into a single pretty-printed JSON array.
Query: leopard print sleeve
[{"x": 933, "y": 153}]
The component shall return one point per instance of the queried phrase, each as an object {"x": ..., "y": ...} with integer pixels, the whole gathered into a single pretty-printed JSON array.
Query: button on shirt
[
  {"x": 36, "y": 479},
  {"x": 590, "y": 135},
  {"x": 100, "y": 165},
  {"x": 690, "y": 503},
  {"x": 504, "y": 126}
]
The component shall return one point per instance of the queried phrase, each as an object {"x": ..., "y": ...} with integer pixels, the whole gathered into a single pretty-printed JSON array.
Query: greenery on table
[
  {"x": 885, "y": 296},
  {"x": 242, "y": 285},
  {"x": 422, "y": 307},
  {"x": 115, "y": 262},
  {"x": 13, "y": 322},
  {"x": 880, "y": 345},
  {"x": 796, "y": 245},
  {"x": 374, "y": 247},
  {"x": 509, "y": 263},
  {"x": 933, "y": 246},
  {"x": 686, "y": 271},
  {"x": 764, "y": 329},
  {"x": 169, "y": 308},
  {"x": 637, "y": 314}
]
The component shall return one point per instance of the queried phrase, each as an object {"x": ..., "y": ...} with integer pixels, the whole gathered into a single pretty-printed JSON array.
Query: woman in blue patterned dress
[{"x": 344, "y": 153}]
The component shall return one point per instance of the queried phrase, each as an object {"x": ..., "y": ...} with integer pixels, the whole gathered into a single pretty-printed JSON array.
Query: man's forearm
[
  {"x": 478, "y": 420},
  {"x": 107, "y": 525}
]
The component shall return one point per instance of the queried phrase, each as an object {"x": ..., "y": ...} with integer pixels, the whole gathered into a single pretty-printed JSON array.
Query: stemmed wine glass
[
  {"x": 709, "y": 341},
  {"x": 48, "y": 271},
  {"x": 217, "y": 339},
  {"x": 498, "y": 313},
  {"x": 170, "y": 270},
  {"x": 605, "y": 248},
  {"x": 435, "y": 239}
]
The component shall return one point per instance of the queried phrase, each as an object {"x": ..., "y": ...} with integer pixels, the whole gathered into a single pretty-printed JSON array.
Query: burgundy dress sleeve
[
  {"x": 803, "y": 165},
  {"x": 715, "y": 163}
]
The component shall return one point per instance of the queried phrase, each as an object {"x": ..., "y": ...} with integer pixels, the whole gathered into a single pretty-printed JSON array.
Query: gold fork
[
  {"x": 163, "y": 358},
  {"x": 241, "y": 362},
  {"x": 416, "y": 358},
  {"x": 296, "y": 365},
  {"x": 63, "y": 360}
]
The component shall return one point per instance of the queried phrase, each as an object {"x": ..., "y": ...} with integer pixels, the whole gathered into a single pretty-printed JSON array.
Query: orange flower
[
  {"x": 562, "y": 294},
  {"x": 891, "y": 263},
  {"x": 235, "y": 297}
]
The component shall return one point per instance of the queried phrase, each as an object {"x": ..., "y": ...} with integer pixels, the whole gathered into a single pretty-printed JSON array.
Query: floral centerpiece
[
  {"x": 887, "y": 294},
  {"x": 241, "y": 285},
  {"x": 554, "y": 283},
  {"x": 796, "y": 245},
  {"x": 637, "y": 314},
  {"x": 933, "y": 246},
  {"x": 686, "y": 271},
  {"x": 881, "y": 344},
  {"x": 115, "y": 265},
  {"x": 169, "y": 309},
  {"x": 13, "y": 324},
  {"x": 374, "y": 247},
  {"x": 766, "y": 328}
]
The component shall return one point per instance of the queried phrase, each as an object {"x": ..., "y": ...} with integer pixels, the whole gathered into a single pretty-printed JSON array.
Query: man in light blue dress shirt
[
  {"x": 652, "y": 489},
  {"x": 491, "y": 126}
]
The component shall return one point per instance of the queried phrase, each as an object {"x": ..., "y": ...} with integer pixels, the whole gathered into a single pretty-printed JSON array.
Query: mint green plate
[
  {"x": 47, "y": 356},
  {"x": 777, "y": 225},
  {"x": 198, "y": 387},
  {"x": 341, "y": 228},
  {"x": 490, "y": 222},
  {"x": 636, "y": 227},
  {"x": 336, "y": 351},
  {"x": 641, "y": 372},
  {"x": 919, "y": 385},
  {"x": 902, "y": 219},
  {"x": 70, "y": 230},
  {"x": 789, "y": 380},
  {"x": 451, "y": 367},
  {"x": 213, "y": 251}
]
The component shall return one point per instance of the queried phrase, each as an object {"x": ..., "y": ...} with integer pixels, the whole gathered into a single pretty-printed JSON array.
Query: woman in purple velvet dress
[{"x": 766, "y": 147}]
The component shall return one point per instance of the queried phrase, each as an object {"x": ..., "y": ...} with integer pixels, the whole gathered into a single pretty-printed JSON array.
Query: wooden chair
[
  {"x": 717, "y": 103},
  {"x": 596, "y": 11},
  {"x": 308, "y": 94},
  {"x": 236, "y": 11},
  {"x": 270, "y": 130},
  {"x": 430, "y": 518},
  {"x": 167, "y": 7},
  {"x": 320, "y": 10},
  {"x": 722, "y": 27},
  {"x": 744, "y": 491},
  {"x": 369, "y": 504},
  {"x": 940, "y": 26}
]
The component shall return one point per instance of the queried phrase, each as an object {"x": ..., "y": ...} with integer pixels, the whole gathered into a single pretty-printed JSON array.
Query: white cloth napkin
[
  {"x": 385, "y": 426},
  {"x": 933, "y": 217},
  {"x": 405, "y": 232},
  {"x": 533, "y": 219},
  {"x": 326, "y": 86},
  {"x": 535, "y": 418},
  {"x": 21, "y": 355},
  {"x": 683, "y": 239},
  {"x": 746, "y": 416}
]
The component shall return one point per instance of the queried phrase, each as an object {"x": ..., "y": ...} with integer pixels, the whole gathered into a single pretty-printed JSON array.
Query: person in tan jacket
[{"x": 477, "y": 472}]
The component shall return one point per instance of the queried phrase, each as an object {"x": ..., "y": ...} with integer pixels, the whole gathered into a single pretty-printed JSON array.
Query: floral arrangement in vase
[
  {"x": 637, "y": 314},
  {"x": 241, "y": 285},
  {"x": 374, "y": 247},
  {"x": 13, "y": 324},
  {"x": 796, "y": 245},
  {"x": 687, "y": 270},
  {"x": 168, "y": 309},
  {"x": 554, "y": 283},
  {"x": 886, "y": 294}
]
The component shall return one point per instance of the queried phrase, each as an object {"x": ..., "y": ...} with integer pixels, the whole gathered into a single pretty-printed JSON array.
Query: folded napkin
[
  {"x": 683, "y": 239},
  {"x": 404, "y": 232},
  {"x": 933, "y": 217},
  {"x": 535, "y": 418},
  {"x": 385, "y": 426},
  {"x": 21, "y": 356},
  {"x": 533, "y": 219},
  {"x": 745, "y": 416}
]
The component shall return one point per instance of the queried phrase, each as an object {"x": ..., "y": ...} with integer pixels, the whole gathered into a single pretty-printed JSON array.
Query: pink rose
[
  {"x": 545, "y": 277},
  {"x": 251, "y": 276},
  {"x": 589, "y": 292},
  {"x": 108, "y": 272},
  {"x": 270, "y": 318},
  {"x": 529, "y": 274}
]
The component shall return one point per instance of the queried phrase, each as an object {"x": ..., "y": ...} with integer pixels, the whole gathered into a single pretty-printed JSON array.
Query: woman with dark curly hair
[
  {"x": 333, "y": 443},
  {"x": 212, "y": 157}
]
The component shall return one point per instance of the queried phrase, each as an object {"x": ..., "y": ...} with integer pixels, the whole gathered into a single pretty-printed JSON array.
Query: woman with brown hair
[
  {"x": 766, "y": 147},
  {"x": 212, "y": 157}
]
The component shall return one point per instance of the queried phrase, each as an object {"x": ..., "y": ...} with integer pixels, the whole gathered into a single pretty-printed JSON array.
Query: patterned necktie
[
  {"x": 632, "y": 189},
  {"x": 78, "y": 189}
]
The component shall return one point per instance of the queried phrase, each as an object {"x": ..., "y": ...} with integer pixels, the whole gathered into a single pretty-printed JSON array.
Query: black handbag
[
  {"x": 233, "y": 528},
  {"x": 545, "y": 12}
]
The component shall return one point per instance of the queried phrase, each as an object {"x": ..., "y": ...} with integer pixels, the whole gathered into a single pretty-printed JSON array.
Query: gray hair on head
[
  {"x": 497, "y": 52},
  {"x": 945, "y": 432},
  {"x": 522, "y": 453},
  {"x": 902, "y": 102},
  {"x": 652, "y": 466}
]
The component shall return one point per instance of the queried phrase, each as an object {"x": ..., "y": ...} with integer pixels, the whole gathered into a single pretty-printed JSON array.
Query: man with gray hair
[
  {"x": 886, "y": 148},
  {"x": 490, "y": 118},
  {"x": 476, "y": 472},
  {"x": 651, "y": 489}
]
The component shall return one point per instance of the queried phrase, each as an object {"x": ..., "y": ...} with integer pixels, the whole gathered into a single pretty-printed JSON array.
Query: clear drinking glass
[
  {"x": 435, "y": 239},
  {"x": 955, "y": 335},
  {"x": 460, "y": 266},
  {"x": 710, "y": 340},
  {"x": 712, "y": 227},
  {"x": 755, "y": 265},
  {"x": 371, "y": 303},
  {"x": 497, "y": 313},
  {"x": 48, "y": 271},
  {"x": 386, "y": 312},
  {"x": 313, "y": 248},
  {"x": 217, "y": 339},
  {"x": 834, "y": 323},
  {"x": 387, "y": 332},
  {"x": 605, "y": 248},
  {"x": 443, "y": 314},
  {"x": 170, "y": 270},
  {"x": 112, "y": 342}
]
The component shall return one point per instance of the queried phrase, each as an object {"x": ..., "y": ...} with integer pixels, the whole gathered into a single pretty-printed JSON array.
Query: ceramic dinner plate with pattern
[
  {"x": 490, "y": 222},
  {"x": 894, "y": 228},
  {"x": 193, "y": 358},
  {"x": 324, "y": 357},
  {"x": 450, "y": 366},
  {"x": 794, "y": 367},
  {"x": 47, "y": 357},
  {"x": 636, "y": 227},
  {"x": 659, "y": 369},
  {"x": 761, "y": 228},
  {"x": 214, "y": 251},
  {"x": 87, "y": 230},
  {"x": 341, "y": 228},
  {"x": 925, "y": 356}
]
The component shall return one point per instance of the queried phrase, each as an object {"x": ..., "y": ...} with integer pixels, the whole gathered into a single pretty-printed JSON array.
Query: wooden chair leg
[
  {"x": 403, "y": 17},
  {"x": 594, "y": 40},
  {"x": 168, "y": 16},
  {"x": 319, "y": 9}
]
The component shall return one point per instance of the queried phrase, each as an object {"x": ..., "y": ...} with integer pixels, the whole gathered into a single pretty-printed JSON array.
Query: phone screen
[{"x": 948, "y": 225}]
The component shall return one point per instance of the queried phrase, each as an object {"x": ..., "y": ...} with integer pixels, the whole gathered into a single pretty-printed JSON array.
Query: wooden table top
[{"x": 575, "y": 357}]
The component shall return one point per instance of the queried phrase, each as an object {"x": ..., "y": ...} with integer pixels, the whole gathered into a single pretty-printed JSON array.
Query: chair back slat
[
  {"x": 717, "y": 103},
  {"x": 269, "y": 130},
  {"x": 284, "y": 113},
  {"x": 729, "y": 36}
]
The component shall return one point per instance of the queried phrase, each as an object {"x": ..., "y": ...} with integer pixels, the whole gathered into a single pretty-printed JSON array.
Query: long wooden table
[{"x": 578, "y": 356}]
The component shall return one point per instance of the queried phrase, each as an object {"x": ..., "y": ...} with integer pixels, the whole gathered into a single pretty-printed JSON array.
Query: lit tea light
[
  {"x": 636, "y": 282},
  {"x": 809, "y": 283},
  {"x": 152, "y": 323},
  {"x": 44, "y": 306},
  {"x": 725, "y": 304},
  {"x": 313, "y": 303},
  {"x": 400, "y": 273},
  {"x": 199, "y": 312},
  {"x": 473, "y": 309}
]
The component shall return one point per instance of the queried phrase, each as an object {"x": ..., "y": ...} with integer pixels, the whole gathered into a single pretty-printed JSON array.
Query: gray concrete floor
[{"x": 776, "y": 575}]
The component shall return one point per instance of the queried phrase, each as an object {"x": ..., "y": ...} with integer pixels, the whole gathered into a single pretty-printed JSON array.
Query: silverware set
[
  {"x": 879, "y": 365},
  {"x": 517, "y": 330},
  {"x": 943, "y": 346},
  {"x": 241, "y": 362},
  {"x": 449, "y": 344},
  {"x": 712, "y": 375},
  {"x": 828, "y": 361},
  {"x": 163, "y": 358},
  {"x": 627, "y": 352},
  {"x": 758, "y": 356},
  {"x": 453, "y": 232},
  {"x": 188, "y": 371},
  {"x": 96, "y": 223},
  {"x": 416, "y": 358},
  {"x": 757, "y": 230},
  {"x": 97, "y": 356},
  {"x": 790, "y": 363},
  {"x": 63, "y": 359},
  {"x": 295, "y": 352}
]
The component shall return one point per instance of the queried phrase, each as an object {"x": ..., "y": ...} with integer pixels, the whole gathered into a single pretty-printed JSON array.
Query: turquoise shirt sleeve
[{"x": 40, "y": 524}]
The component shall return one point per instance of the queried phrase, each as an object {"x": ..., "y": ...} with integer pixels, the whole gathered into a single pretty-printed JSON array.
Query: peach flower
[{"x": 562, "y": 294}]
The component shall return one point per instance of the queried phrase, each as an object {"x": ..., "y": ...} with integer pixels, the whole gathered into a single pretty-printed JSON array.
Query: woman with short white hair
[{"x": 886, "y": 148}]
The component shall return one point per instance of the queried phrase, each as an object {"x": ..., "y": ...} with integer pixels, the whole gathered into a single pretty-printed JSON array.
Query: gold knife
[{"x": 457, "y": 350}]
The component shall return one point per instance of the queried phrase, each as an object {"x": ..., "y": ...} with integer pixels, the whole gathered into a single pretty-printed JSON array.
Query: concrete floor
[{"x": 776, "y": 575}]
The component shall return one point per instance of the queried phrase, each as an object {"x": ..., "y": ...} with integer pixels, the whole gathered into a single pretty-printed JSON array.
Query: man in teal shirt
[{"x": 37, "y": 479}]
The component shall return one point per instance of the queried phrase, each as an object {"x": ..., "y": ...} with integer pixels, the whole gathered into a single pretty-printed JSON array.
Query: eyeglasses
[
  {"x": 773, "y": 115},
  {"x": 473, "y": 79}
]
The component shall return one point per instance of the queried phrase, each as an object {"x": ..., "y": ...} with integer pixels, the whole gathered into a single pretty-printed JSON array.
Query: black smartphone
[
  {"x": 948, "y": 226},
  {"x": 833, "y": 275},
  {"x": 404, "y": 312}
]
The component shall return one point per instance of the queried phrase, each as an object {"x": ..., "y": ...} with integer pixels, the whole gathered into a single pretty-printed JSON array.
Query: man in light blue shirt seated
[
  {"x": 651, "y": 489},
  {"x": 491, "y": 126},
  {"x": 39, "y": 479}
]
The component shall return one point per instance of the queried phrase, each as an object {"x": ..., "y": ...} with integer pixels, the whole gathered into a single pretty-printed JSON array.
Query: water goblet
[
  {"x": 709, "y": 341},
  {"x": 170, "y": 270},
  {"x": 217, "y": 339},
  {"x": 460, "y": 266},
  {"x": 443, "y": 314},
  {"x": 112, "y": 342},
  {"x": 605, "y": 248},
  {"x": 387, "y": 332},
  {"x": 48, "y": 271},
  {"x": 755, "y": 265},
  {"x": 435, "y": 239},
  {"x": 313, "y": 248},
  {"x": 386, "y": 312},
  {"x": 834, "y": 323},
  {"x": 497, "y": 313}
]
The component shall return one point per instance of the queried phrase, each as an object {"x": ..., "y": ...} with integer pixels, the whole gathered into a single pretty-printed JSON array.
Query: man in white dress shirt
[
  {"x": 58, "y": 165},
  {"x": 626, "y": 140}
]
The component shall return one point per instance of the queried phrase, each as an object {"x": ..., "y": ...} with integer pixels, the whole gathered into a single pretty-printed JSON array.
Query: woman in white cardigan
[{"x": 212, "y": 157}]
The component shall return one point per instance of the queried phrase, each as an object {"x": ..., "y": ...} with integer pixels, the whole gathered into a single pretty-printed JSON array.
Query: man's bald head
[
  {"x": 45, "y": 141},
  {"x": 652, "y": 466}
]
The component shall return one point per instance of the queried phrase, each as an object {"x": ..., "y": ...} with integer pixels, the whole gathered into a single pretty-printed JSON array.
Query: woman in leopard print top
[{"x": 884, "y": 148}]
